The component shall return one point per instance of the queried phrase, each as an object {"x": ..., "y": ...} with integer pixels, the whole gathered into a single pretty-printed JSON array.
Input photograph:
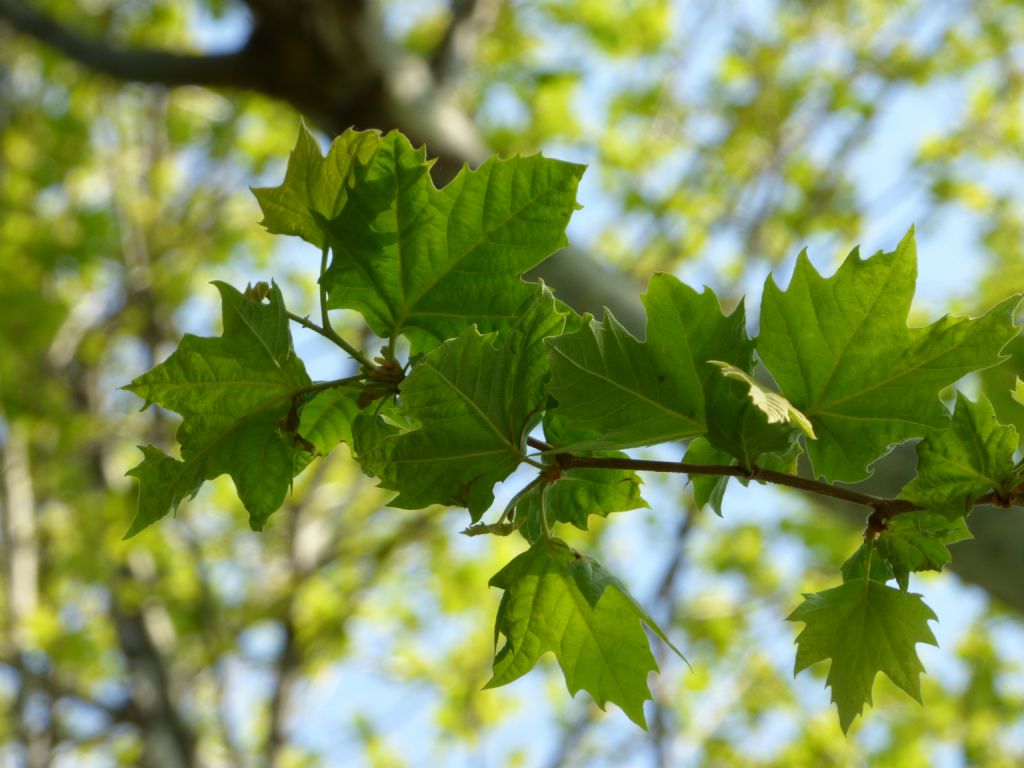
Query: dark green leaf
[
  {"x": 640, "y": 393},
  {"x": 708, "y": 489}
]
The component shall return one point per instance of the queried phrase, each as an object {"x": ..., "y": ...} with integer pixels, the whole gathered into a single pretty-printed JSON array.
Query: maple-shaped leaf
[
  {"x": 917, "y": 541},
  {"x": 630, "y": 393},
  {"x": 579, "y": 493},
  {"x": 472, "y": 401},
  {"x": 561, "y": 601},
  {"x": 428, "y": 263},
  {"x": 314, "y": 185},
  {"x": 864, "y": 627},
  {"x": 237, "y": 395},
  {"x": 957, "y": 465},
  {"x": 842, "y": 353}
]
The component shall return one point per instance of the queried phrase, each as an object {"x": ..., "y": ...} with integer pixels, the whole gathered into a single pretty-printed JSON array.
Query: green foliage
[
  {"x": 238, "y": 396},
  {"x": 917, "y": 541},
  {"x": 561, "y": 601},
  {"x": 864, "y": 627},
  {"x": 629, "y": 393},
  {"x": 492, "y": 356},
  {"x": 960, "y": 463},
  {"x": 841, "y": 351},
  {"x": 472, "y": 402},
  {"x": 424, "y": 262}
]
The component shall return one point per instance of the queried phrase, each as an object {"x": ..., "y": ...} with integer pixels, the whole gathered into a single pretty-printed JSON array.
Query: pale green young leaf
[
  {"x": 1018, "y": 391},
  {"x": 776, "y": 408},
  {"x": 917, "y": 541},
  {"x": 472, "y": 401},
  {"x": 864, "y": 627},
  {"x": 235, "y": 394},
  {"x": 960, "y": 463},
  {"x": 314, "y": 184},
  {"x": 633, "y": 393},
  {"x": 561, "y": 601},
  {"x": 736, "y": 425},
  {"x": 842, "y": 353},
  {"x": 428, "y": 263}
]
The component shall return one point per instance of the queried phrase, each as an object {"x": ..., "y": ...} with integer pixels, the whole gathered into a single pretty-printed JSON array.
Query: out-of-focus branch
[
  {"x": 20, "y": 542},
  {"x": 469, "y": 20},
  {"x": 231, "y": 70}
]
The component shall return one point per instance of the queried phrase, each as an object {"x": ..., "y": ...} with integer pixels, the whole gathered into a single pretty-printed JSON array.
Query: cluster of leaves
[{"x": 477, "y": 363}]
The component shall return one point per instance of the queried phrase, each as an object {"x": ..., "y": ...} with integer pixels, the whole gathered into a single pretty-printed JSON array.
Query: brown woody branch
[{"x": 882, "y": 508}]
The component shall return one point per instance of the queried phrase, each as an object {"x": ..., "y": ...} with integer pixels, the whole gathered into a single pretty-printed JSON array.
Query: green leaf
[
  {"x": 640, "y": 393},
  {"x": 842, "y": 353},
  {"x": 866, "y": 558},
  {"x": 236, "y": 394},
  {"x": 916, "y": 541},
  {"x": 561, "y": 601},
  {"x": 315, "y": 185},
  {"x": 578, "y": 494},
  {"x": 327, "y": 418},
  {"x": 959, "y": 464},
  {"x": 428, "y": 263},
  {"x": 164, "y": 483},
  {"x": 708, "y": 489},
  {"x": 473, "y": 400},
  {"x": 865, "y": 628}
]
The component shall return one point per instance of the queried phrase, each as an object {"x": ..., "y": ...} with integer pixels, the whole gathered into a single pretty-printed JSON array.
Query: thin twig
[{"x": 329, "y": 334}]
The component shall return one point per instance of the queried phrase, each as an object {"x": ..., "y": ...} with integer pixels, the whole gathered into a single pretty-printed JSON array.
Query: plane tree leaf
[
  {"x": 579, "y": 493},
  {"x": 556, "y": 599},
  {"x": 327, "y": 418},
  {"x": 428, "y": 263},
  {"x": 864, "y": 627},
  {"x": 842, "y": 353},
  {"x": 314, "y": 185},
  {"x": 917, "y": 541},
  {"x": 957, "y": 465},
  {"x": 238, "y": 396},
  {"x": 472, "y": 401},
  {"x": 633, "y": 393}
]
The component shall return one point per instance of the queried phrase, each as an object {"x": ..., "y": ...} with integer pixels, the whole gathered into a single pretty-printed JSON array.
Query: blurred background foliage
[{"x": 721, "y": 137}]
